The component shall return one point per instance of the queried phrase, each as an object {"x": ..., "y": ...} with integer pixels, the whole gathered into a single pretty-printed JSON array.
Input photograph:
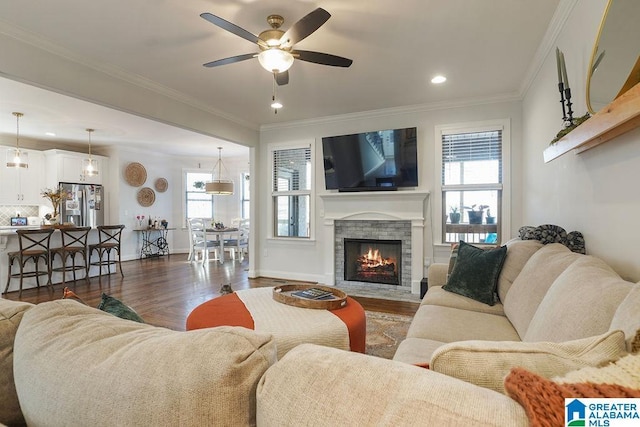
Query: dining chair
[
  {"x": 74, "y": 242},
  {"x": 33, "y": 246},
  {"x": 109, "y": 237},
  {"x": 238, "y": 245},
  {"x": 200, "y": 241}
]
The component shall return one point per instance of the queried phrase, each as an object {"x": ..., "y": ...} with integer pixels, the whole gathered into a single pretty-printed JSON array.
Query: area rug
[{"x": 385, "y": 332}]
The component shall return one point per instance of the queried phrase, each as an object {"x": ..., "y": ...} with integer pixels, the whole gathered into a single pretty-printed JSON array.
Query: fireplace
[
  {"x": 383, "y": 215},
  {"x": 373, "y": 260}
]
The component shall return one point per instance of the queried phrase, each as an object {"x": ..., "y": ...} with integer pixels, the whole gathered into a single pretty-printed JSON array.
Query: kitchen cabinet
[
  {"x": 22, "y": 186},
  {"x": 66, "y": 166}
]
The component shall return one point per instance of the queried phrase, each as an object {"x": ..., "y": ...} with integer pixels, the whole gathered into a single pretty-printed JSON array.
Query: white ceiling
[{"x": 486, "y": 49}]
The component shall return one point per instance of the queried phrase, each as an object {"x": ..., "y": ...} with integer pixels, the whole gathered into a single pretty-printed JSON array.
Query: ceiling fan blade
[
  {"x": 322, "y": 58},
  {"x": 231, "y": 60},
  {"x": 232, "y": 28},
  {"x": 282, "y": 78},
  {"x": 304, "y": 27}
]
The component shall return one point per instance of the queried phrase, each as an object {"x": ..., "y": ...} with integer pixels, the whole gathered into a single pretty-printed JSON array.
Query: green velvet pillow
[
  {"x": 118, "y": 308},
  {"x": 475, "y": 273}
]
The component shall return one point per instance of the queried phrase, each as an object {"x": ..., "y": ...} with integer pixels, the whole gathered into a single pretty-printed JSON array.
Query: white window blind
[
  {"x": 292, "y": 169},
  {"x": 467, "y": 158}
]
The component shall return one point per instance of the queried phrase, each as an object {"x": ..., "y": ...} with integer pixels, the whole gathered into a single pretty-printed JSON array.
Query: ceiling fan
[{"x": 276, "y": 46}]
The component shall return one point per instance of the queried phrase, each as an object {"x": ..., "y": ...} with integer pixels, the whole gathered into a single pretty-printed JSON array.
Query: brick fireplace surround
[{"x": 396, "y": 215}]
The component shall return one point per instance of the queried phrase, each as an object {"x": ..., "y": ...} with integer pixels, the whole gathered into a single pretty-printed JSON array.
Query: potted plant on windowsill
[
  {"x": 490, "y": 219},
  {"x": 454, "y": 215},
  {"x": 476, "y": 213}
]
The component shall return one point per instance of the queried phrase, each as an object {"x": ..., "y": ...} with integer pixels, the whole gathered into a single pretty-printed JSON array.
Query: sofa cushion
[
  {"x": 475, "y": 273},
  {"x": 78, "y": 365},
  {"x": 446, "y": 324},
  {"x": 580, "y": 303},
  {"x": 438, "y": 296},
  {"x": 518, "y": 254},
  {"x": 322, "y": 386},
  {"x": 627, "y": 319},
  {"x": 486, "y": 363},
  {"x": 533, "y": 282},
  {"x": 416, "y": 350},
  {"x": 11, "y": 313}
]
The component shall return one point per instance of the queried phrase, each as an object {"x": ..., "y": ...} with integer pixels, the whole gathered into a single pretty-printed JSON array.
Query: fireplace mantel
[
  {"x": 372, "y": 205},
  {"x": 376, "y": 206}
]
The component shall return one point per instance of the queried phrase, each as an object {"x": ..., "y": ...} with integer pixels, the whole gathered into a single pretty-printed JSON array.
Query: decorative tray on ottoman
[{"x": 310, "y": 296}]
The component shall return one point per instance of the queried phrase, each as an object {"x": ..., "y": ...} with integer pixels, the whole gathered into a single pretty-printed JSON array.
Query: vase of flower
[{"x": 55, "y": 196}]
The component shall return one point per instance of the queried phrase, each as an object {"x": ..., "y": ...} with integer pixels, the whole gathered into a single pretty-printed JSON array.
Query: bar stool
[
  {"x": 108, "y": 240},
  {"x": 74, "y": 242},
  {"x": 34, "y": 245}
]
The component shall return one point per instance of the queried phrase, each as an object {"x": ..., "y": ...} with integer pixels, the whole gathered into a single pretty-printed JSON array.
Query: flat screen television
[{"x": 370, "y": 161}]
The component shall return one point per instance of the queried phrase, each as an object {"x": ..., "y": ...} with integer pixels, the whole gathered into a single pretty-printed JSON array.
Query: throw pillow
[
  {"x": 486, "y": 363},
  {"x": 475, "y": 273},
  {"x": 627, "y": 319},
  {"x": 116, "y": 307},
  {"x": 543, "y": 399},
  {"x": 624, "y": 371}
]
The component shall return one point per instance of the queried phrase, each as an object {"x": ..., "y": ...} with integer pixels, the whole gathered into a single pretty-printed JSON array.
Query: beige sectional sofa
[
  {"x": 560, "y": 313},
  {"x": 557, "y": 311}
]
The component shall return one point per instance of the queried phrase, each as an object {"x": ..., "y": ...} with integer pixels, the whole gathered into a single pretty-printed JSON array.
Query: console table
[{"x": 154, "y": 242}]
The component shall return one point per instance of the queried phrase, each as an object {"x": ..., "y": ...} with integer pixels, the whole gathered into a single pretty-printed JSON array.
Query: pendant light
[
  {"x": 223, "y": 187},
  {"x": 89, "y": 165},
  {"x": 15, "y": 157}
]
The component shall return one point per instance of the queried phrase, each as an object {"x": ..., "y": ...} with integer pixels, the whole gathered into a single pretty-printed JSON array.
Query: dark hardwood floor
[{"x": 165, "y": 290}]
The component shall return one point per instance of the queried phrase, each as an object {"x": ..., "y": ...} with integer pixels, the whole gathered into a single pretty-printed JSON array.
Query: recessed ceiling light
[
  {"x": 276, "y": 104},
  {"x": 50, "y": 133},
  {"x": 438, "y": 79}
]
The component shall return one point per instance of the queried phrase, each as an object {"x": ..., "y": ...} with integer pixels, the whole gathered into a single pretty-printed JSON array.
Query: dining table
[{"x": 220, "y": 234}]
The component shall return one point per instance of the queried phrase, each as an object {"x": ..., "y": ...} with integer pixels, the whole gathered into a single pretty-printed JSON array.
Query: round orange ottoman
[{"x": 231, "y": 310}]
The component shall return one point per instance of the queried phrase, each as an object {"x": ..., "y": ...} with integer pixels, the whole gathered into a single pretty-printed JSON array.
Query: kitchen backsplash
[{"x": 8, "y": 211}]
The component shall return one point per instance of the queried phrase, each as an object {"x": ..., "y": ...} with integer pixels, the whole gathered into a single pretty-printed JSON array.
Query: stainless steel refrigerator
[{"x": 84, "y": 205}]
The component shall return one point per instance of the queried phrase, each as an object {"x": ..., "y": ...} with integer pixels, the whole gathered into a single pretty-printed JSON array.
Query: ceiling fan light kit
[{"x": 275, "y": 60}]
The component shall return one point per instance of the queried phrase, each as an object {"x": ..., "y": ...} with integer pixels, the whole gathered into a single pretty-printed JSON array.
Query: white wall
[
  {"x": 304, "y": 260},
  {"x": 168, "y": 205},
  {"x": 595, "y": 192}
]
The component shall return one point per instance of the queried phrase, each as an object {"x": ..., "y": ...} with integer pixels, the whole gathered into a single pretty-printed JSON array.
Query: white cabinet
[
  {"x": 66, "y": 166},
  {"x": 22, "y": 186}
]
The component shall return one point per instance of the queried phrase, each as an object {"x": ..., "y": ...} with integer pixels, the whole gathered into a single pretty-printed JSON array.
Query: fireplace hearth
[{"x": 373, "y": 260}]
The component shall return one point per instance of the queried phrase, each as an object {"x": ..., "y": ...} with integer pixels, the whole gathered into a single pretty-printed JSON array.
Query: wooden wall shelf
[{"x": 621, "y": 116}]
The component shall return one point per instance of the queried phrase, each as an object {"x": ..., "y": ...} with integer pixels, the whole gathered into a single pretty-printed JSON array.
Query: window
[
  {"x": 472, "y": 176},
  {"x": 198, "y": 203},
  {"x": 291, "y": 195},
  {"x": 246, "y": 195}
]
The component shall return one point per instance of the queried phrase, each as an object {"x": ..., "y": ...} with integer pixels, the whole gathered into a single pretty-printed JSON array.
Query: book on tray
[{"x": 313, "y": 293}]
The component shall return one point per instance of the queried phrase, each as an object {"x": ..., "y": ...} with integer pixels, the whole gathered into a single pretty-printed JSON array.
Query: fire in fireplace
[{"x": 377, "y": 261}]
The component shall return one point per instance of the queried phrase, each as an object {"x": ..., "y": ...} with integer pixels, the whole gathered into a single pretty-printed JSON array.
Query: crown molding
[
  {"x": 394, "y": 111},
  {"x": 115, "y": 72},
  {"x": 562, "y": 13}
]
